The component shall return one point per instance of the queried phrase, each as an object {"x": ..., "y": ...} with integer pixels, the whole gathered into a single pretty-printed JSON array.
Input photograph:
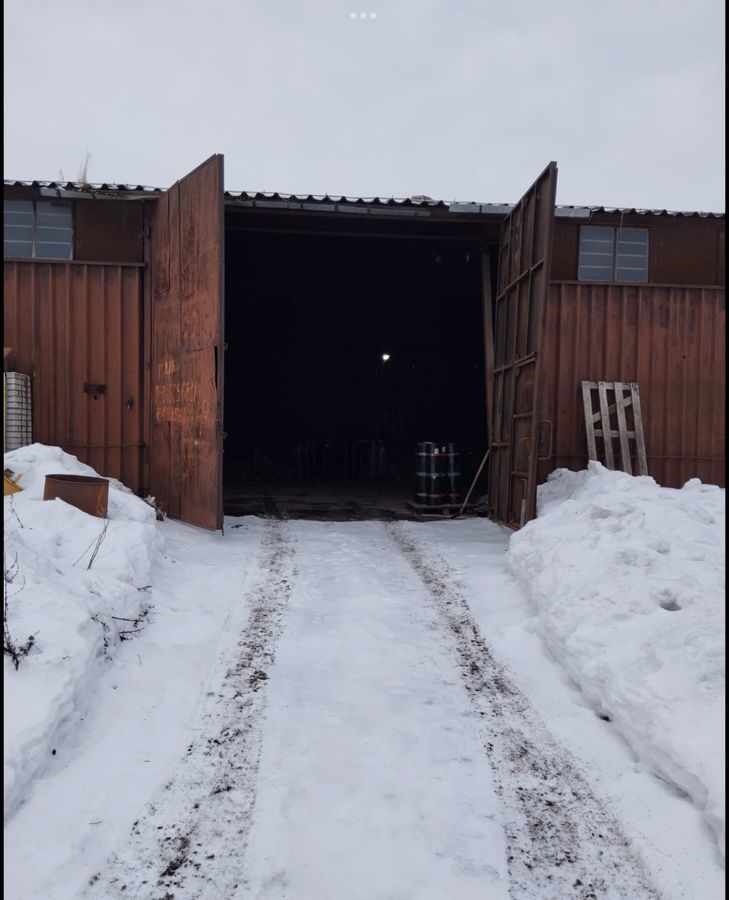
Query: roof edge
[{"x": 78, "y": 190}]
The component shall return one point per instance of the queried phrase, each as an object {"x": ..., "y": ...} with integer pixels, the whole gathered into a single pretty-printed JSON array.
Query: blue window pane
[
  {"x": 596, "y": 259},
  {"x": 38, "y": 229},
  {"x": 53, "y": 214},
  {"x": 13, "y": 217},
  {"x": 604, "y": 247},
  {"x": 18, "y": 233},
  {"x": 595, "y": 273},
  {"x": 21, "y": 249},
  {"x": 18, "y": 228},
  {"x": 598, "y": 233},
  {"x": 53, "y": 251},
  {"x": 631, "y": 256},
  {"x": 597, "y": 246},
  {"x": 613, "y": 254},
  {"x": 634, "y": 276},
  {"x": 25, "y": 206},
  {"x": 49, "y": 235}
]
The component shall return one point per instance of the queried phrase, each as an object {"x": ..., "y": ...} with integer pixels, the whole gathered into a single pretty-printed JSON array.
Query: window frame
[
  {"x": 619, "y": 235},
  {"x": 35, "y": 227}
]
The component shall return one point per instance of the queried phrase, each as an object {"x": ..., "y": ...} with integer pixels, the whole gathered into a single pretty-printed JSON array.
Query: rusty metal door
[
  {"x": 185, "y": 288},
  {"x": 523, "y": 280}
]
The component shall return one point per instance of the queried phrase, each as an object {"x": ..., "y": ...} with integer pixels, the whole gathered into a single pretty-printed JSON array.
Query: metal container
[
  {"x": 431, "y": 474},
  {"x": 453, "y": 469},
  {"x": 91, "y": 495}
]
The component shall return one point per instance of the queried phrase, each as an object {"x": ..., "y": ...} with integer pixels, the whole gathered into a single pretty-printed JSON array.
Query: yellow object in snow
[{"x": 10, "y": 482}]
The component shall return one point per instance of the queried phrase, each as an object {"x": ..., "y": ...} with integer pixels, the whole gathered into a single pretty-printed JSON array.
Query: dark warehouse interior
[{"x": 342, "y": 354}]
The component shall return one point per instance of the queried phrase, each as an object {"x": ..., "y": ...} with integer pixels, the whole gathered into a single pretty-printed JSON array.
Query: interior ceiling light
[{"x": 385, "y": 357}]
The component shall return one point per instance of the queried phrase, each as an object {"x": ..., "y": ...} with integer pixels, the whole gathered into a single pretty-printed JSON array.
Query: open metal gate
[
  {"x": 523, "y": 280},
  {"x": 185, "y": 246}
]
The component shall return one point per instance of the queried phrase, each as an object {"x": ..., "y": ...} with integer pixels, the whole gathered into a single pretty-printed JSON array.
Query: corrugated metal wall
[
  {"x": 668, "y": 339},
  {"x": 74, "y": 324}
]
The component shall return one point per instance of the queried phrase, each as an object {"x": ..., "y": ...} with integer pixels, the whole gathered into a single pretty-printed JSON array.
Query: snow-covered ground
[
  {"x": 76, "y": 585},
  {"x": 358, "y": 710},
  {"x": 628, "y": 581}
]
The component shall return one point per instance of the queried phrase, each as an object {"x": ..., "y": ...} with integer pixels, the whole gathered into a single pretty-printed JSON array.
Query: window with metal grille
[
  {"x": 38, "y": 229},
  {"x": 613, "y": 254}
]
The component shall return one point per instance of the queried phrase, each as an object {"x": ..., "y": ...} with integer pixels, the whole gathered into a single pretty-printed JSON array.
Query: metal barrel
[
  {"x": 85, "y": 492},
  {"x": 455, "y": 483},
  {"x": 431, "y": 474}
]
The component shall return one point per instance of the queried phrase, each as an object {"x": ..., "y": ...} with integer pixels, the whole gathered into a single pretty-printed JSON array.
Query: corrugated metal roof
[
  {"x": 329, "y": 199},
  {"x": 341, "y": 203},
  {"x": 76, "y": 189},
  {"x": 579, "y": 212}
]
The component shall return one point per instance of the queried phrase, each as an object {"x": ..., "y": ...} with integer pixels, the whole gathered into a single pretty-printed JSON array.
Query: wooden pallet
[
  {"x": 625, "y": 400},
  {"x": 442, "y": 510}
]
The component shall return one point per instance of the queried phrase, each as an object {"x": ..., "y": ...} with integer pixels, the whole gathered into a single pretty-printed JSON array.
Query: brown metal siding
[
  {"x": 186, "y": 347},
  {"x": 565, "y": 249},
  {"x": 682, "y": 251},
  {"x": 669, "y": 340},
  {"x": 523, "y": 284},
  {"x": 71, "y": 324},
  {"x": 108, "y": 230},
  {"x": 687, "y": 255}
]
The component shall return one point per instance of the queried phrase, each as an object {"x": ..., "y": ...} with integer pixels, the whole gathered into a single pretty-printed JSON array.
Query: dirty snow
[
  {"x": 336, "y": 710},
  {"x": 628, "y": 581}
]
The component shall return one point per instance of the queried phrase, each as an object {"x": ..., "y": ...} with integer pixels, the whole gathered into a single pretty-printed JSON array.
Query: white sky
[{"x": 467, "y": 99}]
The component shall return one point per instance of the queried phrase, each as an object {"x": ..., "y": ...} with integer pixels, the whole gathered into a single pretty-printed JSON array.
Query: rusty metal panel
[
  {"x": 687, "y": 253},
  {"x": 76, "y": 330},
  {"x": 108, "y": 230},
  {"x": 186, "y": 367},
  {"x": 524, "y": 267},
  {"x": 670, "y": 340}
]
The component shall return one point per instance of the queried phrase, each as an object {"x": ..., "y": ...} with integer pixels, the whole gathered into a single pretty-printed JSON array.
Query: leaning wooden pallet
[{"x": 623, "y": 395}]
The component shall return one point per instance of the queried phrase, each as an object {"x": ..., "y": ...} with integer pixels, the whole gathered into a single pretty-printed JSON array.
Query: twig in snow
[
  {"x": 99, "y": 542},
  {"x": 14, "y": 512},
  {"x": 128, "y": 631},
  {"x": 104, "y": 631},
  {"x": 15, "y": 651},
  {"x": 96, "y": 543}
]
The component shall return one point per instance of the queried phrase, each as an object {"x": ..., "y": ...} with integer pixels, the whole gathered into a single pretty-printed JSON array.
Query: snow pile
[
  {"x": 628, "y": 581},
  {"x": 75, "y": 612}
]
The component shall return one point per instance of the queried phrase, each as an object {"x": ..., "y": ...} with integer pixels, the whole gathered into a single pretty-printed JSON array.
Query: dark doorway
[{"x": 343, "y": 353}]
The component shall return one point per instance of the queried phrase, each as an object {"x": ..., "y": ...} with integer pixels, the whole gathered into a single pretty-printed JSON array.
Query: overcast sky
[{"x": 457, "y": 99}]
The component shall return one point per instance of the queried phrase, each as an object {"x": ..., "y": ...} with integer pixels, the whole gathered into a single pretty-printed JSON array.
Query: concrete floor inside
[{"x": 335, "y": 502}]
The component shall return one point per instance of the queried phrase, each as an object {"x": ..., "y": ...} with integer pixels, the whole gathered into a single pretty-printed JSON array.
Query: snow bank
[
  {"x": 628, "y": 581},
  {"x": 67, "y": 606}
]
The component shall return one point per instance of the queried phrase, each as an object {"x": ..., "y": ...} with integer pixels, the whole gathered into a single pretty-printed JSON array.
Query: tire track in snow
[
  {"x": 190, "y": 841},
  {"x": 562, "y": 842}
]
